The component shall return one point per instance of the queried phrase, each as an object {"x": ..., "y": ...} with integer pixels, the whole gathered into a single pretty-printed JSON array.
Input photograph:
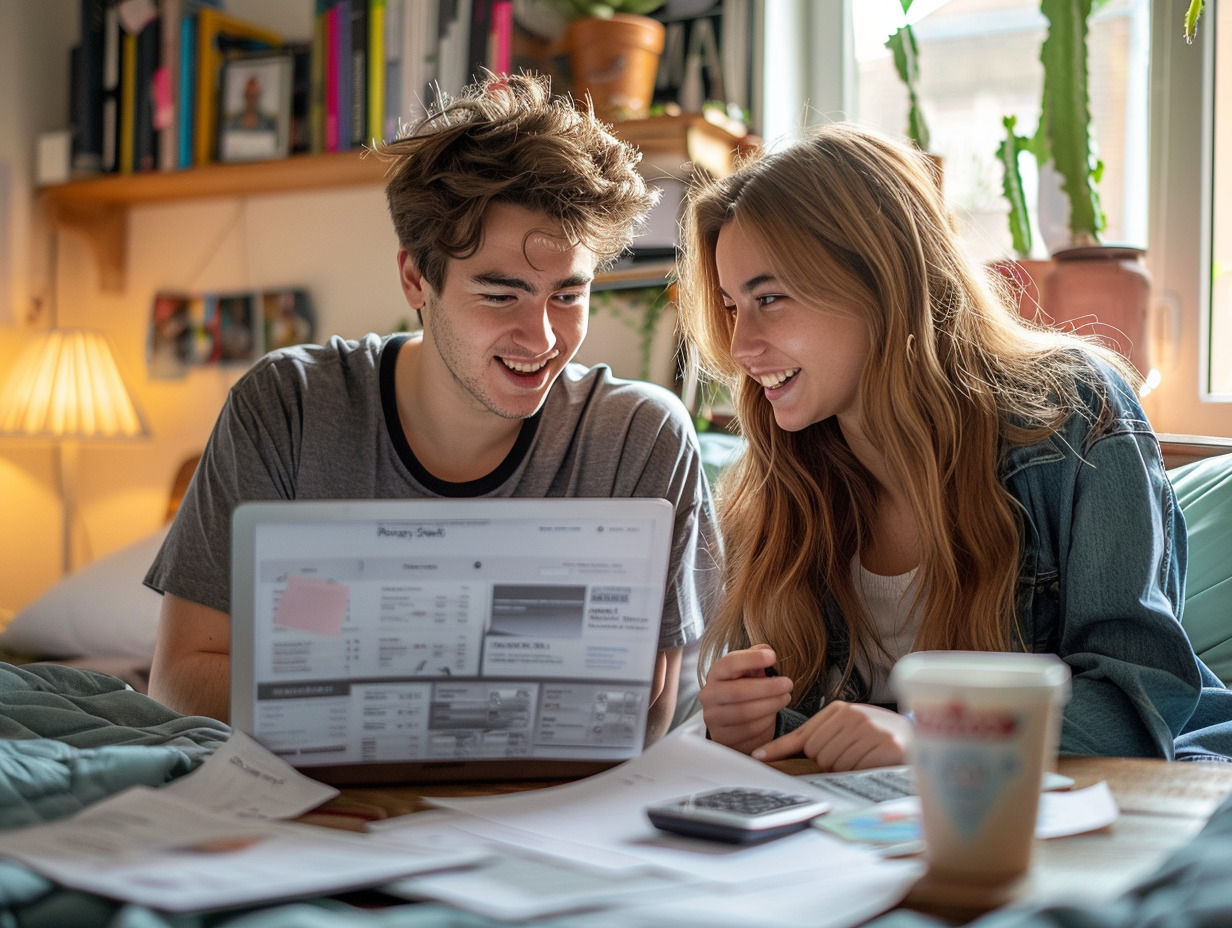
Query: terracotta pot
[
  {"x": 615, "y": 62},
  {"x": 1103, "y": 290}
]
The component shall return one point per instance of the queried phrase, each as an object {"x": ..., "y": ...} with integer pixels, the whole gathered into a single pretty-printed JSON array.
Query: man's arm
[
  {"x": 663, "y": 695},
  {"x": 191, "y": 672}
]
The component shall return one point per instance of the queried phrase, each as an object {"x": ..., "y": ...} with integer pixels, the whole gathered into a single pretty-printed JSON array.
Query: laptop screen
[{"x": 430, "y": 640}]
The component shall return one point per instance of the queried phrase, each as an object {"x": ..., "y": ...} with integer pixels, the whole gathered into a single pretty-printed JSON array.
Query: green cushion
[{"x": 1204, "y": 491}]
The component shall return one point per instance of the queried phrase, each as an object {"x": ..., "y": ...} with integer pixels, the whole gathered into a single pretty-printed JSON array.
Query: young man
[{"x": 505, "y": 202}]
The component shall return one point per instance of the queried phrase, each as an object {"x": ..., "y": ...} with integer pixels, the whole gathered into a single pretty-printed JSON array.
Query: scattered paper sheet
[
  {"x": 243, "y": 780},
  {"x": 210, "y": 840}
]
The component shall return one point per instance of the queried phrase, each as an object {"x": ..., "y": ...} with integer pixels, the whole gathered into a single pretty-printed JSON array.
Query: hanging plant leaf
[{"x": 1191, "y": 19}]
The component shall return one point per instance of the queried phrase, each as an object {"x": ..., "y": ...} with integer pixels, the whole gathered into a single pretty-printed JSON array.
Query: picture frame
[{"x": 254, "y": 120}]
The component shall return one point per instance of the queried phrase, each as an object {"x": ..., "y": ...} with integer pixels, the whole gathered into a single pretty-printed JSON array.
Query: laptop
[{"x": 426, "y": 640}]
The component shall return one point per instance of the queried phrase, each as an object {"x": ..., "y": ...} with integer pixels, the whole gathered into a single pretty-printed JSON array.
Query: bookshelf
[{"x": 97, "y": 207}]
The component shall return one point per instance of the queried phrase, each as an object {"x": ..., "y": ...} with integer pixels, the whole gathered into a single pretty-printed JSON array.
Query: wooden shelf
[
  {"x": 297, "y": 173},
  {"x": 97, "y": 207}
]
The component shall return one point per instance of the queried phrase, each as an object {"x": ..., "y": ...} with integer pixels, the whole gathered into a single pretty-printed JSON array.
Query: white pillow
[{"x": 101, "y": 609}]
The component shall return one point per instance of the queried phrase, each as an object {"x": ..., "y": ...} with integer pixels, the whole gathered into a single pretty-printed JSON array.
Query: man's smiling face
[{"x": 508, "y": 318}]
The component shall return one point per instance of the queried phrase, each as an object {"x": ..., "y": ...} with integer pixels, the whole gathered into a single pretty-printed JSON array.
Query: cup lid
[{"x": 936, "y": 672}]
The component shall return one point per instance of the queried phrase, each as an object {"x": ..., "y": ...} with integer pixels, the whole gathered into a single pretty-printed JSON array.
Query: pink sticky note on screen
[{"x": 313, "y": 605}]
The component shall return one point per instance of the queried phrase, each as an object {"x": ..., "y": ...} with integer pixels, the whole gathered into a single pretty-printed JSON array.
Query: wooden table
[{"x": 1162, "y": 806}]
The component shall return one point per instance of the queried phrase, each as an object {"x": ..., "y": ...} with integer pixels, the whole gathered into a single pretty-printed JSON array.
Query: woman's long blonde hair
[{"x": 954, "y": 377}]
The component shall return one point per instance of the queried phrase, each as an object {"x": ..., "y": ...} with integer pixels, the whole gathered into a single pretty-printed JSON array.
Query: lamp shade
[{"x": 66, "y": 384}]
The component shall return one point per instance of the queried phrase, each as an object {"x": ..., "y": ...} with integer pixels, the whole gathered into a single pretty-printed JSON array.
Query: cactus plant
[
  {"x": 906, "y": 52},
  {"x": 1064, "y": 133}
]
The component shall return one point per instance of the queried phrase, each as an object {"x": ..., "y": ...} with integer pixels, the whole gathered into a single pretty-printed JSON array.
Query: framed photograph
[
  {"x": 288, "y": 318},
  {"x": 255, "y": 101}
]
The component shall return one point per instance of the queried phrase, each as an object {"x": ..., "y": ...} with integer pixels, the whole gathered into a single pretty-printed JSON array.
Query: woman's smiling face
[{"x": 807, "y": 357}]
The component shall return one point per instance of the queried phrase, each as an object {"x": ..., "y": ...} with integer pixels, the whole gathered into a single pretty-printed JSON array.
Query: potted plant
[
  {"x": 1089, "y": 281},
  {"x": 613, "y": 49}
]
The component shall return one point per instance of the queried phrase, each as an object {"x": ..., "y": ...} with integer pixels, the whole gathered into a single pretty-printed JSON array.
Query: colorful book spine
[
  {"x": 358, "y": 76},
  {"x": 394, "y": 13},
  {"x": 316, "y": 103},
  {"x": 145, "y": 143},
  {"x": 331, "y": 79},
  {"x": 111, "y": 92},
  {"x": 376, "y": 71},
  {"x": 342, "y": 74},
  {"x": 167, "y": 85},
  {"x": 128, "y": 102},
  {"x": 500, "y": 48},
  {"x": 87, "y": 108},
  {"x": 186, "y": 104}
]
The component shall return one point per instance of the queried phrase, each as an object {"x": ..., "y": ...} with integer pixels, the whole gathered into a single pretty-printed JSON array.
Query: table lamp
[{"x": 67, "y": 386}]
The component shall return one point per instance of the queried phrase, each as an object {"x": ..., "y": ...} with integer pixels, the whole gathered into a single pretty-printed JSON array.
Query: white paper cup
[{"x": 986, "y": 728}]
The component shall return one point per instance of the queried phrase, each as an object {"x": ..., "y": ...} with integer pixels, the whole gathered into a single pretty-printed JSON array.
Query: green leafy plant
[
  {"x": 906, "y": 52},
  {"x": 1064, "y": 133}
]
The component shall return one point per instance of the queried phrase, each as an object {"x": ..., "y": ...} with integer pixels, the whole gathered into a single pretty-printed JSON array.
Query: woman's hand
[
  {"x": 846, "y": 736},
  {"x": 740, "y": 702}
]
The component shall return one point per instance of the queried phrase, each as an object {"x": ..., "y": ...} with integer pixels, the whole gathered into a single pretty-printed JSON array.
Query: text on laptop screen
[{"x": 529, "y": 631}]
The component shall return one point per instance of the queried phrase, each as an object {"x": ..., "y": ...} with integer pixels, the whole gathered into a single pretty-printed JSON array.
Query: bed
[{"x": 70, "y": 734}]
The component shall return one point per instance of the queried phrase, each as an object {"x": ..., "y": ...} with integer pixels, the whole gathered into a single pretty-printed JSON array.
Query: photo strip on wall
[{"x": 193, "y": 330}]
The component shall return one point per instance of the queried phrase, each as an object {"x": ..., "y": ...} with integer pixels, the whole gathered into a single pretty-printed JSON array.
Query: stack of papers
[{"x": 218, "y": 838}]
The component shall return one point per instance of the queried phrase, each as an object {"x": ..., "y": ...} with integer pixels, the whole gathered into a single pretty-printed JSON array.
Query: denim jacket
[{"x": 1102, "y": 585}]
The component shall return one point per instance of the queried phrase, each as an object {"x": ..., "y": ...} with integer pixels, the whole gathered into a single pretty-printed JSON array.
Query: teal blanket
[{"x": 72, "y": 737}]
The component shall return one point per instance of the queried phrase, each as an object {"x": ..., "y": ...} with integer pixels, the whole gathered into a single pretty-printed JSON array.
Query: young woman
[{"x": 923, "y": 470}]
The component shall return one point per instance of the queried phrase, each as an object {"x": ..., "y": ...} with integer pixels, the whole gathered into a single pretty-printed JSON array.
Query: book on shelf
[
  {"x": 219, "y": 34},
  {"x": 186, "y": 102},
  {"x": 301, "y": 96},
  {"x": 87, "y": 89},
  {"x": 169, "y": 16},
  {"x": 126, "y": 131},
  {"x": 145, "y": 151},
  {"x": 395, "y": 13},
  {"x": 342, "y": 76},
  {"x": 357, "y": 118},
  {"x": 375, "y": 128},
  {"x": 111, "y": 91},
  {"x": 317, "y": 72},
  {"x": 330, "y": 80}
]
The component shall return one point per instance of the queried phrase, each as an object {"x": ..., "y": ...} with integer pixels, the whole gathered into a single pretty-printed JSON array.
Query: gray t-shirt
[{"x": 321, "y": 422}]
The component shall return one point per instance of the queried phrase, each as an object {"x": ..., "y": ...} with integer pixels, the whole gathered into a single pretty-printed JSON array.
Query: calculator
[{"x": 737, "y": 815}]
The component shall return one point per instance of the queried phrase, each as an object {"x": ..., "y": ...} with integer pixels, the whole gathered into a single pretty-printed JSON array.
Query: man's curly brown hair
[{"x": 507, "y": 139}]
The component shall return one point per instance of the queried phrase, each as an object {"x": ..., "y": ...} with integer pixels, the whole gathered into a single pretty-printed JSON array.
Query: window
[
  {"x": 979, "y": 62},
  {"x": 1218, "y": 256},
  {"x": 1165, "y": 106}
]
